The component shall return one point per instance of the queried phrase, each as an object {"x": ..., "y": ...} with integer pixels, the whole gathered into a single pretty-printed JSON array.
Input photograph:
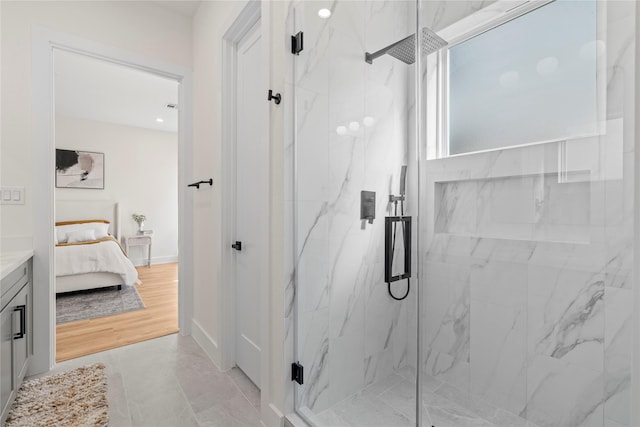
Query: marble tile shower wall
[
  {"x": 534, "y": 262},
  {"x": 350, "y": 333}
]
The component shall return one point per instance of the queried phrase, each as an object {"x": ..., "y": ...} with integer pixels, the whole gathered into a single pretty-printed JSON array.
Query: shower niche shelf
[{"x": 533, "y": 208}]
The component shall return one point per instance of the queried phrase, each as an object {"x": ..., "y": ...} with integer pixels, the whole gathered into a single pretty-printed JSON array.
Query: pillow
[
  {"x": 100, "y": 228},
  {"x": 81, "y": 236}
]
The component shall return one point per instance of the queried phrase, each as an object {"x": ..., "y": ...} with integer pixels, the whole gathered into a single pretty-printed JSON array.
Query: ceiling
[
  {"x": 186, "y": 8},
  {"x": 94, "y": 89}
]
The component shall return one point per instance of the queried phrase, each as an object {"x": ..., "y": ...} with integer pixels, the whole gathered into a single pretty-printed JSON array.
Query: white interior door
[{"x": 252, "y": 187}]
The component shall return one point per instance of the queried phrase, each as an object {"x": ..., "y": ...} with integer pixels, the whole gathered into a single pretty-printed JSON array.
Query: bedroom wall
[
  {"x": 141, "y": 174},
  {"x": 139, "y": 27}
]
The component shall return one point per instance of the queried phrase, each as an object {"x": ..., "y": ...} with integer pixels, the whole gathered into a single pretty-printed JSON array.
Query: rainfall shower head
[{"x": 405, "y": 49}]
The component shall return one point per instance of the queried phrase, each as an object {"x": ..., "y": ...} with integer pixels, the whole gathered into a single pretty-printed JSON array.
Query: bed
[{"x": 88, "y": 253}]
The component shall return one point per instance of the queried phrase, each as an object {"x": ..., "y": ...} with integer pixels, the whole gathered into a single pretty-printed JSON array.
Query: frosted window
[{"x": 532, "y": 79}]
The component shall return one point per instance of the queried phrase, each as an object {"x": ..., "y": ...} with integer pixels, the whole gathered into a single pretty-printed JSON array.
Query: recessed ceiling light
[
  {"x": 159, "y": 120},
  {"x": 354, "y": 126},
  {"x": 324, "y": 13}
]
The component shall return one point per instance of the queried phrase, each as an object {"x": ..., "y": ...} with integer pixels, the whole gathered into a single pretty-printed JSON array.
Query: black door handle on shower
[{"x": 237, "y": 246}]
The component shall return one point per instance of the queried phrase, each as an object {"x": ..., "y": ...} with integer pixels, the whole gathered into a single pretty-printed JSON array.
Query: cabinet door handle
[
  {"x": 237, "y": 246},
  {"x": 22, "y": 309}
]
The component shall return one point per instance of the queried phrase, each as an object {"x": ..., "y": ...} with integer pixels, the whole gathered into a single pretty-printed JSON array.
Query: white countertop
[{"x": 9, "y": 261}]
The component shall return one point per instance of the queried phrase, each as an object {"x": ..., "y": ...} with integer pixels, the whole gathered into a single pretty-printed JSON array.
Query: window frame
[{"x": 484, "y": 20}]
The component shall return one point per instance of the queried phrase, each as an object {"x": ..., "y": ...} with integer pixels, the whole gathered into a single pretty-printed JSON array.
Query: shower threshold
[{"x": 390, "y": 402}]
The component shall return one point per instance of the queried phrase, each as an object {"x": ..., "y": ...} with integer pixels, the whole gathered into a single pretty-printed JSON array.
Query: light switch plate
[{"x": 12, "y": 195}]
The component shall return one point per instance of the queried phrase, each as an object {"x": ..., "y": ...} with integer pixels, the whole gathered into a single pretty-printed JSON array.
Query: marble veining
[
  {"x": 526, "y": 254},
  {"x": 548, "y": 240},
  {"x": 350, "y": 332}
]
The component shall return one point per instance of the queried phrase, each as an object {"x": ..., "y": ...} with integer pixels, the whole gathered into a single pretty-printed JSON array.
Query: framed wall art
[{"x": 79, "y": 169}]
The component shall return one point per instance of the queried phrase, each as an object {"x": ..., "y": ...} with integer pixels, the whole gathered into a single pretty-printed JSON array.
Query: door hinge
[
  {"x": 297, "y": 43},
  {"x": 297, "y": 372}
]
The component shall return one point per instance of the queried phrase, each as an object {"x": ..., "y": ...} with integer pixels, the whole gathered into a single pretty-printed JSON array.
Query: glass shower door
[{"x": 352, "y": 134}]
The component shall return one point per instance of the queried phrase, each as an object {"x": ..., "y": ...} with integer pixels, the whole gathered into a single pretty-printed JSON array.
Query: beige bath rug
[{"x": 75, "y": 398}]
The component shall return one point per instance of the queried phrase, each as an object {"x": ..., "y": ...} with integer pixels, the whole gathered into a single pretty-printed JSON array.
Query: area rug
[
  {"x": 92, "y": 303},
  {"x": 75, "y": 398}
]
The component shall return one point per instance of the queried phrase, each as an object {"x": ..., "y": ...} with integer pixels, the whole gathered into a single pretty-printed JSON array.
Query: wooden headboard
[{"x": 74, "y": 210}]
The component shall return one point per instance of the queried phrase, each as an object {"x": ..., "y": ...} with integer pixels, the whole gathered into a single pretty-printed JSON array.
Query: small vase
[{"x": 140, "y": 227}]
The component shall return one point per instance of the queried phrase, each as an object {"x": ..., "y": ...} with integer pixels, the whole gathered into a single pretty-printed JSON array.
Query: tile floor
[{"x": 170, "y": 381}]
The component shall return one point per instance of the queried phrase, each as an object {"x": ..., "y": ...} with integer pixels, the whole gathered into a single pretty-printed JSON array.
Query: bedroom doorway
[{"x": 116, "y": 200}]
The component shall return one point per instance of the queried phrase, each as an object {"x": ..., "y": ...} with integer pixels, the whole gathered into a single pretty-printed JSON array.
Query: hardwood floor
[{"x": 159, "y": 293}]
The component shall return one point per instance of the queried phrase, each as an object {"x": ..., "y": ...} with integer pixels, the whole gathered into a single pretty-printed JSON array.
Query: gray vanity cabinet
[
  {"x": 6, "y": 361},
  {"x": 16, "y": 346}
]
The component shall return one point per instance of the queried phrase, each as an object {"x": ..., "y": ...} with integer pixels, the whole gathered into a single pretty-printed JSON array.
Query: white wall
[
  {"x": 141, "y": 173},
  {"x": 209, "y": 25},
  {"x": 138, "y": 27}
]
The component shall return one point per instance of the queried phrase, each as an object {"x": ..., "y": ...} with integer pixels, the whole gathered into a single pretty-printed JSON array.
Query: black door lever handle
[{"x": 237, "y": 246}]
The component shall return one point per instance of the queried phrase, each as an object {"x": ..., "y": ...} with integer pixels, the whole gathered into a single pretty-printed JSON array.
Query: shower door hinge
[
  {"x": 297, "y": 373},
  {"x": 297, "y": 43}
]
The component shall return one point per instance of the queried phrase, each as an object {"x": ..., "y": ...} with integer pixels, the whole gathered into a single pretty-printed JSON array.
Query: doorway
[
  {"x": 116, "y": 141},
  {"x": 45, "y": 42}
]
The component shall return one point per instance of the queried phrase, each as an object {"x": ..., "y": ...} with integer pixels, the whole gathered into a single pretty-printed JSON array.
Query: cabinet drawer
[
  {"x": 142, "y": 240},
  {"x": 13, "y": 283}
]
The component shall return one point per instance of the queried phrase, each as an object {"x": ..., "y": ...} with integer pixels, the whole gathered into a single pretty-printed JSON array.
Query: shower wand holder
[{"x": 389, "y": 222}]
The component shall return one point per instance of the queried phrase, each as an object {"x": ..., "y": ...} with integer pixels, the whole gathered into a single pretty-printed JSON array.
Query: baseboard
[
  {"x": 140, "y": 262},
  {"x": 208, "y": 344},
  {"x": 294, "y": 420},
  {"x": 272, "y": 417}
]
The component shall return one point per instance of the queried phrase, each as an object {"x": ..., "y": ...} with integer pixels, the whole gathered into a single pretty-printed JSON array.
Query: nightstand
[{"x": 139, "y": 240}]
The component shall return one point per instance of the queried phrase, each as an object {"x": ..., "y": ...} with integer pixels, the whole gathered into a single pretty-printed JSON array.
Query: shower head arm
[
  {"x": 370, "y": 57},
  {"x": 405, "y": 49}
]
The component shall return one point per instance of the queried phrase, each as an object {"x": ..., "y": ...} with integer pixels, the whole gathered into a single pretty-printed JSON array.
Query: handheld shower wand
[
  {"x": 403, "y": 180},
  {"x": 403, "y": 187}
]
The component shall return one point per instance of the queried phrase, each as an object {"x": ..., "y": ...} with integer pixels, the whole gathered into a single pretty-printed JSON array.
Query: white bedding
[{"x": 101, "y": 257}]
